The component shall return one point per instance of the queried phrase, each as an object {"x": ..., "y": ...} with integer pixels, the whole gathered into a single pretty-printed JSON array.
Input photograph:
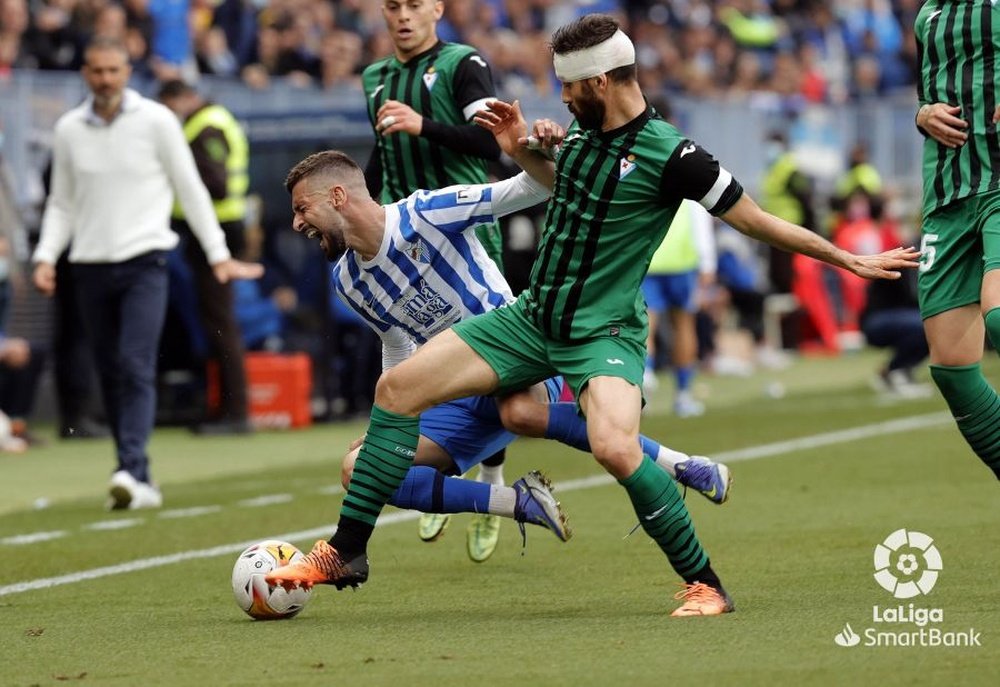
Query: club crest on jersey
[
  {"x": 625, "y": 166},
  {"x": 418, "y": 252},
  {"x": 430, "y": 77}
]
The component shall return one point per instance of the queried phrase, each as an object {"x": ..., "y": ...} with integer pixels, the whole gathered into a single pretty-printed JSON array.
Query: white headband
[{"x": 615, "y": 52}]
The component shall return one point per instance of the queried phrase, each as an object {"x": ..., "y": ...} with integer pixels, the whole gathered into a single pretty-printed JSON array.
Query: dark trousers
[
  {"x": 218, "y": 317},
  {"x": 72, "y": 357},
  {"x": 123, "y": 306},
  {"x": 18, "y": 385},
  {"x": 900, "y": 329}
]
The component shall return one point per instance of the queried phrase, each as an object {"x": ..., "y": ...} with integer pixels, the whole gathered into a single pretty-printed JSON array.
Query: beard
[
  {"x": 333, "y": 246},
  {"x": 588, "y": 110}
]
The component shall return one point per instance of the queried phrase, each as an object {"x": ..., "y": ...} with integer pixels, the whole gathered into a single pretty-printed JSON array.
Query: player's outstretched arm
[
  {"x": 508, "y": 126},
  {"x": 747, "y": 217}
]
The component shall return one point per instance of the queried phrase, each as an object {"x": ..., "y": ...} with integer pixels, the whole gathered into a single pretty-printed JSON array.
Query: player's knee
[
  {"x": 616, "y": 453},
  {"x": 389, "y": 393},
  {"x": 523, "y": 416}
]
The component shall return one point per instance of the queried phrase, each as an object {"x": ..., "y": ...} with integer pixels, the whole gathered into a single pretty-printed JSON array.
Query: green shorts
[
  {"x": 521, "y": 354},
  {"x": 960, "y": 243}
]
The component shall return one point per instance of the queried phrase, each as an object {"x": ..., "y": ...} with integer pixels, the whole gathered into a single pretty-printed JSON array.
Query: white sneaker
[
  {"x": 129, "y": 493},
  {"x": 901, "y": 384},
  {"x": 650, "y": 383},
  {"x": 685, "y": 405}
]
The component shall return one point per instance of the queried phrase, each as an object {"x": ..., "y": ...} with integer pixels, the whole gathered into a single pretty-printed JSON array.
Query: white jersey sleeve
[
  {"x": 455, "y": 209},
  {"x": 396, "y": 347}
]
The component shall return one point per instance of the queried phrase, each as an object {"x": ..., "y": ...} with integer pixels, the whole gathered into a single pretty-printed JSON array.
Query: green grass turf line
[{"x": 794, "y": 547}]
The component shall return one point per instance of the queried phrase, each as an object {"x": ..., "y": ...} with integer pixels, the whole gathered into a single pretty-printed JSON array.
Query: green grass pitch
[{"x": 794, "y": 547}]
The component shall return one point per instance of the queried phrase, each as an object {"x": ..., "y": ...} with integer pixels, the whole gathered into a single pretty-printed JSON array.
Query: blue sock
[
  {"x": 567, "y": 427},
  {"x": 428, "y": 491},
  {"x": 684, "y": 375}
]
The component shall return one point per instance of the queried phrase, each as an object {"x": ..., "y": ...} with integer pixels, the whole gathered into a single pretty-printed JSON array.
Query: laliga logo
[{"x": 911, "y": 556}]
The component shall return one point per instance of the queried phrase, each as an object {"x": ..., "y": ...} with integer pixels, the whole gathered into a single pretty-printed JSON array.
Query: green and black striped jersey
[
  {"x": 616, "y": 193},
  {"x": 448, "y": 84},
  {"x": 958, "y": 50}
]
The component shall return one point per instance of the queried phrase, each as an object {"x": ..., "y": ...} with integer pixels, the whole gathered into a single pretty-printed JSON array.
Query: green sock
[
  {"x": 386, "y": 455},
  {"x": 665, "y": 518},
  {"x": 976, "y": 408}
]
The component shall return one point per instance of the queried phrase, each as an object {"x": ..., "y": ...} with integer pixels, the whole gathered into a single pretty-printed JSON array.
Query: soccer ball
[{"x": 255, "y": 596}]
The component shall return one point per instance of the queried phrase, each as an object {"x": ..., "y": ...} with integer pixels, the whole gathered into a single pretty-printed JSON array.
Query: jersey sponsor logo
[
  {"x": 376, "y": 91},
  {"x": 614, "y": 331},
  {"x": 478, "y": 60},
  {"x": 615, "y": 361},
  {"x": 468, "y": 194},
  {"x": 430, "y": 78},
  {"x": 688, "y": 149},
  {"x": 626, "y": 166},
  {"x": 427, "y": 305}
]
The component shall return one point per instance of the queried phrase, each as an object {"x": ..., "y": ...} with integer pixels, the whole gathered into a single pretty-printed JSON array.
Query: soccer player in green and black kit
[
  {"x": 958, "y": 282},
  {"x": 421, "y": 100},
  {"x": 621, "y": 174}
]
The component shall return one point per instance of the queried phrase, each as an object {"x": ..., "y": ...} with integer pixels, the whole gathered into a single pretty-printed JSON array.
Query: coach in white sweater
[{"x": 118, "y": 160}]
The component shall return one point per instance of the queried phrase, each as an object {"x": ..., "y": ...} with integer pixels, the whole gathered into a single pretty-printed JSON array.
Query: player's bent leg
[
  {"x": 525, "y": 414},
  {"x": 418, "y": 383},
  {"x": 613, "y": 406},
  {"x": 390, "y": 445},
  {"x": 955, "y": 338}
]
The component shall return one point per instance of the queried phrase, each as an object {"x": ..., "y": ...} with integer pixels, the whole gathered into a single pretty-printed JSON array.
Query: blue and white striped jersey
[{"x": 430, "y": 270}]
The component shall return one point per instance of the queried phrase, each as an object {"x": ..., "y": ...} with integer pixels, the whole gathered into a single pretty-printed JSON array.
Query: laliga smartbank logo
[{"x": 907, "y": 565}]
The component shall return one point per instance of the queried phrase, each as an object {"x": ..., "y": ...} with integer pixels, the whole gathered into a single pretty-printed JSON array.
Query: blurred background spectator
[{"x": 776, "y": 76}]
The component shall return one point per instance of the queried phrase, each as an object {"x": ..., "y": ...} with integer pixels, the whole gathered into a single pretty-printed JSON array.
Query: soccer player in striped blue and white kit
[{"x": 413, "y": 269}]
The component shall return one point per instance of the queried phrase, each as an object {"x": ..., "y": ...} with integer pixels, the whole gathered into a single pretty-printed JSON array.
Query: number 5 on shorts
[{"x": 927, "y": 251}]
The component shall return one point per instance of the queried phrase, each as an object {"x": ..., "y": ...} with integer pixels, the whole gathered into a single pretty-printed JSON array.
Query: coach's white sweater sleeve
[
  {"x": 190, "y": 190},
  {"x": 517, "y": 193},
  {"x": 396, "y": 347},
  {"x": 57, "y": 228}
]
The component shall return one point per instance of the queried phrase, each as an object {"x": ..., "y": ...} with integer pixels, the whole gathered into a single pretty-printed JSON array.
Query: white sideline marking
[
  {"x": 330, "y": 490},
  {"x": 113, "y": 524},
  {"x": 158, "y": 561},
  {"x": 189, "y": 512},
  {"x": 268, "y": 500},
  {"x": 33, "y": 537},
  {"x": 751, "y": 453}
]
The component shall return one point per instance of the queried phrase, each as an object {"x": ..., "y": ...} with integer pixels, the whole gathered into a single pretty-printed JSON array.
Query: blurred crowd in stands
[
  {"x": 815, "y": 50},
  {"x": 804, "y": 51}
]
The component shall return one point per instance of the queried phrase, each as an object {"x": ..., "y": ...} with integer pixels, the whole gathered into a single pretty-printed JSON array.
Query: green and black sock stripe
[
  {"x": 664, "y": 517},
  {"x": 386, "y": 454}
]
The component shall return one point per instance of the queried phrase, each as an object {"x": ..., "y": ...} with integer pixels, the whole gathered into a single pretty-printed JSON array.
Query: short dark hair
[
  {"x": 106, "y": 43},
  {"x": 174, "y": 88},
  {"x": 328, "y": 162},
  {"x": 586, "y": 32}
]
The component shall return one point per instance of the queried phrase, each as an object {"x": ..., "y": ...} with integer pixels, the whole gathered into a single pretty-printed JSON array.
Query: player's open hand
[
  {"x": 228, "y": 270},
  {"x": 394, "y": 117},
  {"x": 942, "y": 123},
  {"x": 506, "y": 123},
  {"x": 886, "y": 265}
]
